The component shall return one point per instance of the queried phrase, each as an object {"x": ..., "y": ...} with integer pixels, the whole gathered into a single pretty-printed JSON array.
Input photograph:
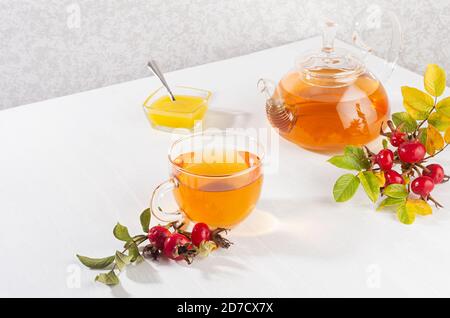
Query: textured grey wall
[{"x": 56, "y": 47}]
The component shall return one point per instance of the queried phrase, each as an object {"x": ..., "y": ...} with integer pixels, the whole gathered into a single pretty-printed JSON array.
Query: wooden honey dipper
[{"x": 277, "y": 113}]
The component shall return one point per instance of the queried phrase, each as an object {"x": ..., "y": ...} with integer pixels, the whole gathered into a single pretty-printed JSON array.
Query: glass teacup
[{"x": 216, "y": 178}]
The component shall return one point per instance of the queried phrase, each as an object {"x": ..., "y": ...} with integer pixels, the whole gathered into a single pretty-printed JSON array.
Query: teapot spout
[{"x": 278, "y": 115}]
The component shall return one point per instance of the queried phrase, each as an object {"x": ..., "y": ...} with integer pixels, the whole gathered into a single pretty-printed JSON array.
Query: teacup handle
[{"x": 157, "y": 195}]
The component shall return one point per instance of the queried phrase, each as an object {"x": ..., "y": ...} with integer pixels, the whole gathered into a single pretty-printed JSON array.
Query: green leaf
[
  {"x": 138, "y": 239},
  {"x": 145, "y": 220},
  {"x": 133, "y": 251},
  {"x": 121, "y": 233},
  {"x": 355, "y": 151},
  {"x": 109, "y": 278},
  {"x": 122, "y": 260},
  {"x": 139, "y": 259},
  {"x": 417, "y": 103},
  {"x": 391, "y": 202},
  {"x": 423, "y": 136},
  {"x": 405, "y": 215},
  {"x": 132, "y": 246},
  {"x": 345, "y": 162},
  {"x": 443, "y": 107},
  {"x": 385, "y": 144},
  {"x": 408, "y": 123},
  {"x": 439, "y": 121},
  {"x": 370, "y": 184},
  {"x": 435, "y": 80},
  {"x": 354, "y": 158},
  {"x": 345, "y": 188},
  {"x": 359, "y": 154},
  {"x": 397, "y": 191},
  {"x": 96, "y": 263}
]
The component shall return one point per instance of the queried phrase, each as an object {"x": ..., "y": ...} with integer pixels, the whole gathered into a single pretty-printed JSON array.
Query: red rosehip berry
[
  {"x": 412, "y": 151},
  {"x": 200, "y": 233},
  {"x": 385, "y": 159},
  {"x": 172, "y": 245},
  {"x": 393, "y": 177},
  {"x": 397, "y": 138},
  {"x": 157, "y": 236},
  {"x": 422, "y": 186},
  {"x": 435, "y": 172}
]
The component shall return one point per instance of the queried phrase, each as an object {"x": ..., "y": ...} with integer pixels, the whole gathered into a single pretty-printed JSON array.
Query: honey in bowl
[
  {"x": 188, "y": 108},
  {"x": 181, "y": 113},
  {"x": 330, "y": 117},
  {"x": 220, "y": 193}
]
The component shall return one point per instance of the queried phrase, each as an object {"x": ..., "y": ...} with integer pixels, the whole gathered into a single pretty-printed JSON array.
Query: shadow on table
[
  {"x": 223, "y": 119},
  {"x": 218, "y": 266},
  {"x": 119, "y": 292},
  {"x": 299, "y": 229},
  {"x": 292, "y": 228},
  {"x": 142, "y": 273}
]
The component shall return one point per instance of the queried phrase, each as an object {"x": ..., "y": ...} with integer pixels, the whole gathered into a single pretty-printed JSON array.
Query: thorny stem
[
  {"x": 426, "y": 119},
  {"x": 437, "y": 153},
  {"x": 391, "y": 126},
  {"x": 408, "y": 172},
  {"x": 422, "y": 167},
  {"x": 382, "y": 133},
  {"x": 416, "y": 170},
  {"x": 137, "y": 240},
  {"x": 370, "y": 153},
  {"x": 178, "y": 228},
  {"x": 438, "y": 205},
  {"x": 185, "y": 233},
  {"x": 175, "y": 225}
]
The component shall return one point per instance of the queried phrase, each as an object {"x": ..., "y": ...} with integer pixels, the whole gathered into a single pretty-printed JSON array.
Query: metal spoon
[{"x": 155, "y": 69}]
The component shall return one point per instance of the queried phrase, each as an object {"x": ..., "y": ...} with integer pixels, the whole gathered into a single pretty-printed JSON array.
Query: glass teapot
[{"x": 331, "y": 99}]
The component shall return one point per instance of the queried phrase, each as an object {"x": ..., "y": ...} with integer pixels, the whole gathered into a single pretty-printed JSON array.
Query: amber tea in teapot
[
  {"x": 328, "y": 101},
  {"x": 329, "y": 118}
]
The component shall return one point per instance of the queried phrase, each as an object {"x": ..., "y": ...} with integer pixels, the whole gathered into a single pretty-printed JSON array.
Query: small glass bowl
[{"x": 177, "y": 118}]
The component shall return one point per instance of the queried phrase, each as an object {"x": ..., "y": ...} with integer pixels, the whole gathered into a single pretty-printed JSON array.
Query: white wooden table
[{"x": 71, "y": 167}]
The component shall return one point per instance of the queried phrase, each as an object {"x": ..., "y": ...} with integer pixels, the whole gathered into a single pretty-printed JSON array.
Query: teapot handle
[
  {"x": 370, "y": 27},
  {"x": 269, "y": 89}
]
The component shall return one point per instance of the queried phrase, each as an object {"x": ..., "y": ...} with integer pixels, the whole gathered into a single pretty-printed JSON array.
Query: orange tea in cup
[
  {"x": 220, "y": 194},
  {"x": 219, "y": 183}
]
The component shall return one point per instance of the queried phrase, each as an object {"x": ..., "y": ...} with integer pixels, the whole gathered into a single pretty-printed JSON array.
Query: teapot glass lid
[{"x": 331, "y": 62}]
